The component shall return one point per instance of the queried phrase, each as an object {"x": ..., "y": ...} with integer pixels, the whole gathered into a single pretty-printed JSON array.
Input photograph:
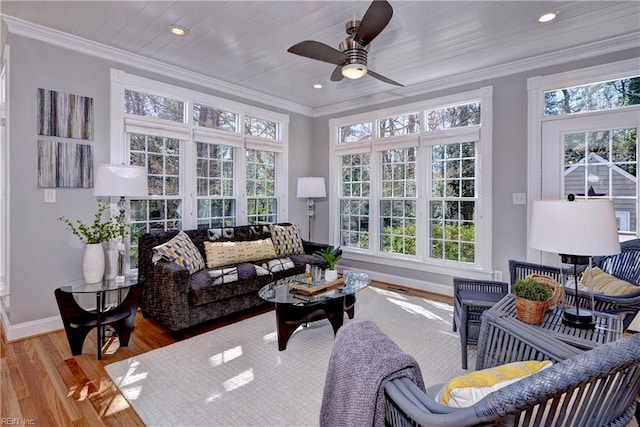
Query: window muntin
[
  {"x": 592, "y": 97},
  {"x": 452, "y": 205},
  {"x": 354, "y": 204},
  {"x": 398, "y": 203},
  {"x": 261, "y": 128},
  {"x": 453, "y": 117},
  {"x": 153, "y": 106},
  {"x": 399, "y": 125},
  {"x": 215, "y": 185},
  {"x": 215, "y": 118},
  {"x": 163, "y": 209},
  {"x": 603, "y": 164},
  {"x": 356, "y": 132},
  {"x": 261, "y": 186}
]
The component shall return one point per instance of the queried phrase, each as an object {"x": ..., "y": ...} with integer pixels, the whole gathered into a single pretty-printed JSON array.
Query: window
[
  {"x": 211, "y": 162},
  {"x": 214, "y": 172},
  {"x": 411, "y": 196},
  {"x": 354, "y": 203},
  {"x": 261, "y": 186}
]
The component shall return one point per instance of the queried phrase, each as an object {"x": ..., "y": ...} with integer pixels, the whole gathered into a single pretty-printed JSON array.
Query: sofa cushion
[
  {"x": 228, "y": 253},
  {"x": 279, "y": 264},
  {"x": 182, "y": 251},
  {"x": 204, "y": 288},
  {"x": 466, "y": 390},
  {"x": 286, "y": 239},
  {"x": 239, "y": 233}
]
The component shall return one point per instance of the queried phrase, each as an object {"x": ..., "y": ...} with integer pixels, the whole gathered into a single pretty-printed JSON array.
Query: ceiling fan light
[{"x": 354, "y": 71}]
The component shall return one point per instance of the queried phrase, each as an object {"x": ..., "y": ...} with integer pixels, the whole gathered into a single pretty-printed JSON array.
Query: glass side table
[{"x": 120, "y": 316}]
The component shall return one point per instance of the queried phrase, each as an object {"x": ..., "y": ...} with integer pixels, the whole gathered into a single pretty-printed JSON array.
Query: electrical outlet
[
  {"x": 497, "y": 275},
  {"x": 49, "y": 195},
  {"x": 519, "y": 198}
]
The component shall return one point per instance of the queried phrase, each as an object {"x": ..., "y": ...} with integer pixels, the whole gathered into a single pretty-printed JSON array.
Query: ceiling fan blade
[
  {"x": 320, "y": 51},
  {"x": 337, "y": 76},
  {"x": 383, "y": 78},
  {"x": 373, "y": 22}
]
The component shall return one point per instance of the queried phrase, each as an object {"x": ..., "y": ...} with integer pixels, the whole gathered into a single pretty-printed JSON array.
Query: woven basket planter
[
  {"x": 530, "y": 311},
  {"x": 557, "y": 289}
]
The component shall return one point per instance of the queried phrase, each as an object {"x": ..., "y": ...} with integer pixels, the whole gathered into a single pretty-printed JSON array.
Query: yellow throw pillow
[
  {"x": 286, "y": 239},
  {"x": 465, "y": 390},
  {"x": 607, "y": 284},
  {"x": 182, "y": 251},
  {"x": 226, "y": 253}
]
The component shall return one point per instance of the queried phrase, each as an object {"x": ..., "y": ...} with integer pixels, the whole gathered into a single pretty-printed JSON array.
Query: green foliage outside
[{"x": 531, "y": 290}]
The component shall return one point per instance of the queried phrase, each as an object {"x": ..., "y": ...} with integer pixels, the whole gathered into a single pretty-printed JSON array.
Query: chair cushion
[
  {"x": 286, "y": 239},
  {"x": 604, "y": 283},
  {"x": 228, "y": 253},
  {"x": 466, "y": 390},
  {"x": 182, "y": 251}
]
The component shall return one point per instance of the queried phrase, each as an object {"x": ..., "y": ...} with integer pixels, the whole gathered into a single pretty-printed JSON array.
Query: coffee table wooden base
[{"x": 289, "y": 317}]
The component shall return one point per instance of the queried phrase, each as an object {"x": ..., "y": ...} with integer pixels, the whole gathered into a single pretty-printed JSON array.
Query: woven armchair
[
  {"x": 625, "y": 266},
  {"x": 595, "y": 388},
  {"x": 470, "y": 299}
]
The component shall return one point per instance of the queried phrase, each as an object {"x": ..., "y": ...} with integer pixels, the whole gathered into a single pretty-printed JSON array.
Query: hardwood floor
[{"x": 43, "y": 385}]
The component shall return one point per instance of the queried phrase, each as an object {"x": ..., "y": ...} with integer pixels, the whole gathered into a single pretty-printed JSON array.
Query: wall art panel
[
  {"x": 65, "y": 115},
  {"x": 65, "y": 164}
]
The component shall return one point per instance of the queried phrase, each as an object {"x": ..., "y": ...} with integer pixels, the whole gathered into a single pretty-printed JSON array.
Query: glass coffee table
[{"x": 294, "y": 309}]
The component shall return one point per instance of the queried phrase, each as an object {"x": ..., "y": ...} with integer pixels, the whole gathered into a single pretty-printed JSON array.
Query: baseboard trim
[
  {"x": 421, "y": 285},
  {"x": 30, "y": 329}
]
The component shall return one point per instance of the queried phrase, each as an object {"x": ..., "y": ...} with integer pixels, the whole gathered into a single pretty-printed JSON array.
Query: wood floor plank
[{"x": 43, "y": 382}]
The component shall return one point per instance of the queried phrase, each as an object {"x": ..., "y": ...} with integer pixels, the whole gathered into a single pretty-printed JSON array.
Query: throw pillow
[
  {"x": 286, "y": 239},
  {"x": 226, "y": 253},
  {"x": 224, "y": 275},
  {"x": 607, "y": 284},
  {"x": 465, "y": 390},
  {"x": 279, "y": 264},
  {"x": 182, "y": 251}
]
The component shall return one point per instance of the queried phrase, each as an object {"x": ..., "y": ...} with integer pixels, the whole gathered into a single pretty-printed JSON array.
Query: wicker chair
[
  {"x": 593, "y": 388},
  {"x": 625, "y": 266},
  {"x": 470, "y": 299}
]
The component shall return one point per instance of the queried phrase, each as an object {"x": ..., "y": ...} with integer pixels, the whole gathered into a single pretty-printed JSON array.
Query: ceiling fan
[{"x": 351, "y": 59}]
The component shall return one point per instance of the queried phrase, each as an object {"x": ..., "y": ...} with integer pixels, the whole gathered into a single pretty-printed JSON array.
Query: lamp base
[{"x": 583, "y": 319}]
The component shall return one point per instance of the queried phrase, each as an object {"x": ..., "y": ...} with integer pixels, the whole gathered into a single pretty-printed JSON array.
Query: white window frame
[
  {"x": 120, "y": 122},
  {"x": 536, "y": 88},
  {"x": 421, "y": 262}
]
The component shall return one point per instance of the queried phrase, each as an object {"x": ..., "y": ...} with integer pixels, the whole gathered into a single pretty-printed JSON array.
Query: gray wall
[{"x": 43, "y": 253}]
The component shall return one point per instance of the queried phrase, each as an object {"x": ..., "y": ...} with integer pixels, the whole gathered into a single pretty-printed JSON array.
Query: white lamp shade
[
  {"x": 311, "y": 186},
  {"x": 581, "y": 227},
  {"x": 121, "y": 180}
]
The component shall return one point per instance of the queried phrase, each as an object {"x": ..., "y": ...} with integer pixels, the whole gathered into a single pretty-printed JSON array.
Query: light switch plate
[
  {"x": 49, "y": 195},
  {"x": 519, "y": 198}
]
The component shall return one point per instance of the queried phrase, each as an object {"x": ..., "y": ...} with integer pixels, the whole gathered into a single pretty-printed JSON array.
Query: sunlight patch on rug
[{"x": 235, "y": 375}]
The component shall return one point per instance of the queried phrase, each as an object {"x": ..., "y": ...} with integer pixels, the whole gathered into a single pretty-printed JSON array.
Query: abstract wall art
[
  {"x": 64, "y": 115},
  {"x": 65, "y": 164}
]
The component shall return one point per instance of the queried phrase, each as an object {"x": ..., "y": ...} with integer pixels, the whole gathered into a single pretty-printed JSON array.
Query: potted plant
[
  {"x": 93, "y": 235},
  {"x": 531, "y": 300},
  {"x": 331, "y": 256}
]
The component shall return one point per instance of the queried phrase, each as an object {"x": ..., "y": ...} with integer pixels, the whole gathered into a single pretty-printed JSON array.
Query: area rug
[{"x": 235, "y": 375}]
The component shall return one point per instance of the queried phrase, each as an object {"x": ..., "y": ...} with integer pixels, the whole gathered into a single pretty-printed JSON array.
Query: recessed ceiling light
[
  {"x": 177, "y": 30},
  {"x": 548, "y": 17},
  {"x": 317, "y": 86}
]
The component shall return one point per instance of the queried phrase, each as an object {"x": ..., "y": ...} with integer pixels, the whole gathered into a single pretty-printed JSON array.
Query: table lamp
[
  {"x": 576, "y": 230},
  {"x": 113, "y": 180},
  {"x": 310, "y": 187}
]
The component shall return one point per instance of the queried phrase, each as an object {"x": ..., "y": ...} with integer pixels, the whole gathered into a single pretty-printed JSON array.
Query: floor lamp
[
  {"x": 576, "y": 230},
  {"x": 311, "y": 187},
  {"x": 113, "y": 180}
]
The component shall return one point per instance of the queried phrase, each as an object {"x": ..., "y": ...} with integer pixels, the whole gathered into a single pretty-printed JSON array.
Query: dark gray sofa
[{"x": 179, "y": 300}]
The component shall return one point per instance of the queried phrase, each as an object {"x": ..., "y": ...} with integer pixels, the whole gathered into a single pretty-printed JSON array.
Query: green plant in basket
[
  {"x": 331, "y": 256},
  {"x": 531, "y": 290}
]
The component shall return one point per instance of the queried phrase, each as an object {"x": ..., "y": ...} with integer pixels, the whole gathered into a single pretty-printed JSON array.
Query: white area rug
[{"x": 235, "y": 375}]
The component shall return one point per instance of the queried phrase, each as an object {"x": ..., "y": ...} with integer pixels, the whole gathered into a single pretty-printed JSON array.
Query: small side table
[{"x": 78, "y": 321}]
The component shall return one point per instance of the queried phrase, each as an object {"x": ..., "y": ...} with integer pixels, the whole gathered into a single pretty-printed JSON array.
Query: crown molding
[
  {"x": 589, "y": 50},
  {"x": 87, "y": 47}
]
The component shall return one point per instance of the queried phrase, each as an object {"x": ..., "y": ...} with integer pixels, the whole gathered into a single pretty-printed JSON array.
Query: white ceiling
[{"x": 244, "y": 43}]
